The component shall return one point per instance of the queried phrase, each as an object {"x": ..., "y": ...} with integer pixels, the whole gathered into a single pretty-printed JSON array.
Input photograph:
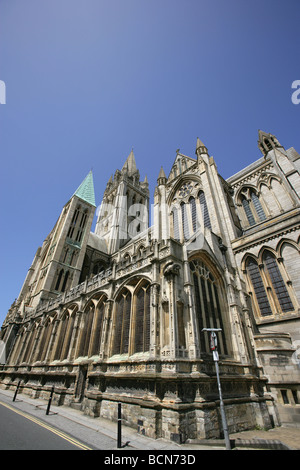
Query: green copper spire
[{"x": 86, "y": 190}]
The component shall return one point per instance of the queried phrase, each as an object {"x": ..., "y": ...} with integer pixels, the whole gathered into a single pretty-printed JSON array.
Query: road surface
[{"x": 21, "y": 431}]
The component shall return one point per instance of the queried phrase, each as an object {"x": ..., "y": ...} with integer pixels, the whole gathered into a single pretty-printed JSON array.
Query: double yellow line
[{"x": 47, "y": 426}]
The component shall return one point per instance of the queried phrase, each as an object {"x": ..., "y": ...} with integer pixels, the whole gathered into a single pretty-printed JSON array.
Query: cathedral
[{"x": 119, "y": 314}]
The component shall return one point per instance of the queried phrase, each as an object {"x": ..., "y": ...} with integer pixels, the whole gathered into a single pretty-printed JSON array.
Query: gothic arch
[
  {"x": 131, "y": 317},
  {"x": 95, "y": 298},
  {"x": 31, "y": 337},
  {"x": 183, "y": 179},
  {"x": 266, "y": 178},
  {"x": 252, "y": 209},
  {"x": 243, "y": 188},
  {"x": 44, "y": 341},
  {"x": 265, "y": 249},
  {"x": 287, "y": 241},
  {"x": 92, "y": 325},
  {"x": 256, "y": 285},
  {"x": 211, "y": 263},
  {"x": 131, "y": 283},
  {"x": 288, "y": 252},
  {"x": 65, "y": 330},
  {"x": 275, "y": 278},
  {"x": 210, "y": 302},
  {"x": 189, "y": 211}
]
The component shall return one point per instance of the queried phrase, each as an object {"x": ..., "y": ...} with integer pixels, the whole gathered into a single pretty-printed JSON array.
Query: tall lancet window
[
  {"x": 204, "y": 210},
  {"x": 176, "y": 233},
  {"x": 248, "y": 211},
  {"x": 122, "y": 323},
  {"x": 279, "y": 286},
  {"x": 258, "y": 207},
  {"x": 207, "y": 297},
  {"x": 192, "y": 204},
  {"x": 142, "y": 319},
  {"x": 259, "y": 288},
  {"x": 184, "y": 219},
  {"x": 252, "y": 206}
]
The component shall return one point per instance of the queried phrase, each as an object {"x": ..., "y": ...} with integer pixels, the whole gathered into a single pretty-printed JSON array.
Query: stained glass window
[
  {"x": 184, "y": 220},
  {"x": 204, "y": 210},
  {"x": 258, "y": 286},
  {"x": 192, "y": 203},
  {"x": 207, "y": 303},
  {"x": 277, "y": 282}
]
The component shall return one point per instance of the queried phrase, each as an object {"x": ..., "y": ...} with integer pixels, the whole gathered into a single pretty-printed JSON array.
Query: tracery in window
[
  {"x": 269, "y": 287},
  {"x": 252, "y": 206},
  {"x": 279, "y": 286},
  {"x": 92, "y": 328},
  {"x": 65, "y": 334},
  {"x": 142, "y": 320},
  {"x": 122, "y": 324},
  {"x": 188, "y": 203},
  {"x": 207, "y": 304},
  {"x": 132, "y": 320},
  {"x": 258, "y": 286}
]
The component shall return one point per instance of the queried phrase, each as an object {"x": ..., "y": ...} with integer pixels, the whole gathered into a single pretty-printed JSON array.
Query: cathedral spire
[
  {"x": 130, "y": 166},
  {"x": 86, "y": 190}
]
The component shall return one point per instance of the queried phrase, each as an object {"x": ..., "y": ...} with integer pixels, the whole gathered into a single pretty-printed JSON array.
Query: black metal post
[
  {"x": 213, "y": 347},
  {"x": 222, "y": 409},
  {"x": 119, "y": 444},
  {"x": 50, "y": 400},
  {"x": 17, "y": 389}
]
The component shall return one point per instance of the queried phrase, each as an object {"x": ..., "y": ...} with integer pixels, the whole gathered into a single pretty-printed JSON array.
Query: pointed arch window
[
  {"x": 77, "y": 225},
  {"x": 87, "y": 329},
  {"x": 65, "y": 281},
  {"x": 248, "y": 211},
  {"x": 142, "y": 320},
  {"x": 59, "y": 278},
  {"x": 268, "y": 143},
  {"x": 192, "y": 204},
  {"x": 176, "y": 234},
  {"x": 278, "y": 283},
  {"x": 207, "y": 303},
  {"x": 258, "y": 206},
  {"x": 122, "y": 325},
  {"x": 73, "y": 222},
  {"x": 184, "y": 219},
  {"x": 64, "y": 335},
  {"x": 45, "y": 339},
  {"x": 204, "y": 210},
  {"x": 96, "y": 340},
  {"x": 252, "y": 207},
  {"x": 258, "y": 287}
]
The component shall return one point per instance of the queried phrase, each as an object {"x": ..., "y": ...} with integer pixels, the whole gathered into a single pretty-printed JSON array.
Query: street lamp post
[{"x": 214, "y": 348}]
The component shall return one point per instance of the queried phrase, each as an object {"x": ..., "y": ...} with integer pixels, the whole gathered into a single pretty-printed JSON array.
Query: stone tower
[
  {"x": 57, "y": 264},
  {"x": 124, "y": 211}
]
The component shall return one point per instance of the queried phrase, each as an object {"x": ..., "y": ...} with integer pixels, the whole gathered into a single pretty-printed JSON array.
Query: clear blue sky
[{"x": 87, "y": 80}]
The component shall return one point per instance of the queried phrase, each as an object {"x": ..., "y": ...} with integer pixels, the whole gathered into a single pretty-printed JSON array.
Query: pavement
[{"x": 101, "y": 434}]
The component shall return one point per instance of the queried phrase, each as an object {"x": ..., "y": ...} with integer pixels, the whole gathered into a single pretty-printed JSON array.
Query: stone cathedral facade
[{"x": 117, "y": 315}]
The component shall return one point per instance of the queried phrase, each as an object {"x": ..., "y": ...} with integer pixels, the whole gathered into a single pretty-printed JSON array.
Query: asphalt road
[{"x": 21, "y": 431}]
